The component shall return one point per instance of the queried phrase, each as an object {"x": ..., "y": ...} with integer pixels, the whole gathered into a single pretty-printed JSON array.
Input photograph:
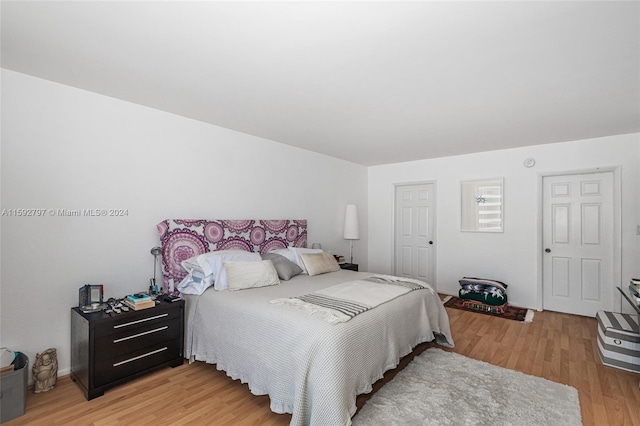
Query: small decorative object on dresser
[
  {"x": 109, "y": 350},
  {"x": 153, "y": 287},
  {"x": 45, "y": 371},
  {"x": 90, "y": 298}
]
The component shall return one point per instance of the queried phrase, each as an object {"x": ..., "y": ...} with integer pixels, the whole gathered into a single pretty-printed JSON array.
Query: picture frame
[{"x": 482, "y": 205}]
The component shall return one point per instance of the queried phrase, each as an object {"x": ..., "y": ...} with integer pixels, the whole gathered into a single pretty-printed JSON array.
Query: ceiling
[{"x": 369, "y": 82}]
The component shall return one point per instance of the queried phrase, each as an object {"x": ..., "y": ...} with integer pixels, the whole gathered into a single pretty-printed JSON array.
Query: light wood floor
[{"x": 555, "y": 346}]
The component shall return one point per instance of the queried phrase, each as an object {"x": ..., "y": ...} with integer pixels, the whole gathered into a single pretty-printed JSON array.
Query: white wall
[
  {"x": 71, "y": 149},
  {"x": 511, "y": 256},
  {"x": 67, "y": 148}
]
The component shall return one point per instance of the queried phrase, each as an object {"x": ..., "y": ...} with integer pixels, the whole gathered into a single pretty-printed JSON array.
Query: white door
[
  {"x": 578, "y": 243},
  {"x": 414, "y": 228}
]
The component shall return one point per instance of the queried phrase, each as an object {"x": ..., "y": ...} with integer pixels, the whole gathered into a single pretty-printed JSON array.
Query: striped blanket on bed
[{"x": 341, "y": 302}]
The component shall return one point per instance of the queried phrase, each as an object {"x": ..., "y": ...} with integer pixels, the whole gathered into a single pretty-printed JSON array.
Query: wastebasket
[{"x": 13, "y": 389}]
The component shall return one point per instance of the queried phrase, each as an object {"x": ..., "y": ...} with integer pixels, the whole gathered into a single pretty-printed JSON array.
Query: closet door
[
  {"x": 414, "y": 232},
  {"x": 578, "y": 223}
]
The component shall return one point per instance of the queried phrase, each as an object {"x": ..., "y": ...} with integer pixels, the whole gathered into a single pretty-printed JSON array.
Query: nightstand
[
  {"x": 349, "y": 266},
  {"x": 109, "y": 350}
]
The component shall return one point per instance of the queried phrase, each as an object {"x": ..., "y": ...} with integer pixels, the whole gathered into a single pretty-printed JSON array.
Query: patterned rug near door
[{"x": 510, "y": 312}]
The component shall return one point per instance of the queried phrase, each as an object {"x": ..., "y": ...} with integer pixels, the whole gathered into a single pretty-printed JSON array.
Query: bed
[{"x": 309, "y": 367}]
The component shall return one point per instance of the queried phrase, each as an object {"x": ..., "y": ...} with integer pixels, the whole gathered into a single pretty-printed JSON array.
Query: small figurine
[{"x": 45, "y": 371}]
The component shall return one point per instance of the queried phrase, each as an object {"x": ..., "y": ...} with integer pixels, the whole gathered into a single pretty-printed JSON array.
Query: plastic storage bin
[{"x": 13, "y": 389}]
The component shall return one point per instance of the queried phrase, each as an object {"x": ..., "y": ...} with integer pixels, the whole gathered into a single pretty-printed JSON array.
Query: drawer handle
[
  {"x": 141, "y": 320},
  {"x": 133, "y": 336},
  {"x": 139, "y": 356}
]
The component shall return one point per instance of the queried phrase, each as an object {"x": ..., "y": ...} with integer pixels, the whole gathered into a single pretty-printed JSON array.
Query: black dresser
[{"x": 109, "y": 350}]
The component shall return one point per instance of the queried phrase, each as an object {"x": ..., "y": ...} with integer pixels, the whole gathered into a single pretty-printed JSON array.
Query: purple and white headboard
[{"x": 182, "y": 239}]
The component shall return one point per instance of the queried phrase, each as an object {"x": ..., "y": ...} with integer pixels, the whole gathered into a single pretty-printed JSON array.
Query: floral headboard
[{"x": 181, "y": 239}]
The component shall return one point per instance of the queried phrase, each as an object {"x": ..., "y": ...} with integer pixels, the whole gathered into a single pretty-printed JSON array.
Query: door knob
[
  {"x": 547, "y": 250},
  {"x": 430, "y": 242}
]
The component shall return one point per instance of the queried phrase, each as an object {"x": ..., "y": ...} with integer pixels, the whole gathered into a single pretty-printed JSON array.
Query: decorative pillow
[
  {"x": 242, "y": 275},
  {"x": 220, "y": 272},
  {"x": 295, "y": 256},
  {"x": 319, "y": 263},
  {"x": 286, "y": 269}
]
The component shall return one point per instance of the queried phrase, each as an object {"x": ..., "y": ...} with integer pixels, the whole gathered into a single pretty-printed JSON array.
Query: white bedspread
[{"x": 308, "y": 367}]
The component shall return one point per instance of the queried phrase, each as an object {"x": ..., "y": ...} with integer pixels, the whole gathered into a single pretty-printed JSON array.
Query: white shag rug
[{"x": 445, "y": 388}]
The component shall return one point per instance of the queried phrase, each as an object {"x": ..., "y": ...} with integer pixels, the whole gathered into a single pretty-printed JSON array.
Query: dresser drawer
[
  {"x": 135, "y": 321},
  {"x": 135, "y": 339},
  {"x": 123, "y": 366}
]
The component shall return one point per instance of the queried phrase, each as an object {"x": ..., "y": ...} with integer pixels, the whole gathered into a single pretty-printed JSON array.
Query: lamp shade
[{"x": 351, "y": 226}]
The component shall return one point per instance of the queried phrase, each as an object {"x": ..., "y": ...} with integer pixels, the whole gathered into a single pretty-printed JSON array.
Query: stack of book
[
  {"x": 634, "y": 288},
  {"x": 139, "y": 301}
]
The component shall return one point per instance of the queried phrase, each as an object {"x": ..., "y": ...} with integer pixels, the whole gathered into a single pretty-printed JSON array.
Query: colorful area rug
[
  {"x": 445, "y": 388},
  {"x": 511, "y": 312}
]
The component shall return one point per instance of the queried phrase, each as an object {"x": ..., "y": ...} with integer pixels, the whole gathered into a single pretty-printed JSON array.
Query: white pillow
[
  {"x": 193, "y": 268},
  {"x": 297, "y": 251},
  {"x": 319, "y": 263},
  {"x": 199, "y": 265},
  {"x": 191, "y": 264},
  {"x": 194, "y": 285},
  {"x": 219, "y": 271},
  {"x": 208, "y": 268},
  {"x": 242, "y": 275},
  {"x": 283, "y": 252}
]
